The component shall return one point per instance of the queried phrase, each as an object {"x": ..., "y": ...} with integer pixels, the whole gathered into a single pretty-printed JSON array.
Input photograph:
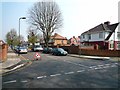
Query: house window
[
  {"x": 89, "y": 36},
  {"x": 83, "y": 36},
  {"x": 111, "y": 45},
  {"x": 118, "y": 45},
  {"x": 101, "y": 35},
  {"x": 118, "y": 35},
  {"x": 62, "y": 41}
]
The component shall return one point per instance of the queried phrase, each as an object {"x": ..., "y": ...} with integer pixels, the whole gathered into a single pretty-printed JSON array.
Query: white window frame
[
  {"x": 101, "y": 35},
  {"x": 89, "y": 36}
]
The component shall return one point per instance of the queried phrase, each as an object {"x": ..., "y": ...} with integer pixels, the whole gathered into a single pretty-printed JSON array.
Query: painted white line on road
[
  {"x": 71, "y": 62},
  {"x": 75, "y": 63},
  {"x": 106, "y": 67},
  {"x": 82, "y": 65},
  {"x": 10, "y": 81},
  {"x": 90, "y": 67},
  {"x": 98, "y": 68},
  {"x": 24, "y": 81},
  {"x": 100, "y": 65},
  {"x": 69, "y": 73},
  {"x": 81, "y": 71},
  {"x": 113, "y": 65},
  {"x": 41, "y": 77},
  {"x": 93, "y": 67},
  {"x": 55, "y": 75},
  {"x": 116, "y": 63}
]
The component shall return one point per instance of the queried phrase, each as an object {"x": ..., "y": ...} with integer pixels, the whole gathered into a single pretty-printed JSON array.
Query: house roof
[
  {"x": 112, "y": 28},
  {"x": 98, "y": 28},
  {"x": 103, "y": 27},
  {"x": 57, "y": 36},
  {"x": 1, "y": 42}
]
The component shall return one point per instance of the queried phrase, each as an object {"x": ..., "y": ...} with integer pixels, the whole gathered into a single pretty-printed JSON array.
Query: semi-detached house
[{"x": 105, "y": 35}]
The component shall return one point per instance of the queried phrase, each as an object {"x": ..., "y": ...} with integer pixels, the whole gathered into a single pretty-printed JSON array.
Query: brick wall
[
  {"x": 3, "y": 52},
  {"x": 111, "y": 53},
  {"x": 77, "y": 50}
]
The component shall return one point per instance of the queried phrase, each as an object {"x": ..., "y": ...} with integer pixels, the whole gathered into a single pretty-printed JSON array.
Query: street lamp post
[{"x": 19, "y": 28}]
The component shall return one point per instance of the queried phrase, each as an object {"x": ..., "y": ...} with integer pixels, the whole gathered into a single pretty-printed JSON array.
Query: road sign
[{"x": 37, "y": 56}]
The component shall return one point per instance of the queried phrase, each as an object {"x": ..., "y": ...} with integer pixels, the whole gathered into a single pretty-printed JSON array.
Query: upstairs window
[
  {"x": 83, "y": 36},
  {"x": 118, "y": 35},
  {"x": 101, "y": 35},
  {"x": 89, "y": 36}
]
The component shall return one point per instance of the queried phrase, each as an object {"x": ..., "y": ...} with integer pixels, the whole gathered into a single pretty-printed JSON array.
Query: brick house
[
  {"x": 75, "y": 41},
  {"x": 104, "y": 35},
  {"x": 57, "y": 39}
]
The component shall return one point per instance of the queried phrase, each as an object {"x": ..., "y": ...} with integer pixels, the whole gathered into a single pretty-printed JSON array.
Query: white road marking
[
  {"x": 100, "y": 65},
  {"x": 41, "y": 77},
  {"x": 24, "y": 81},
  {"x": 92, "y": 67},
  {"x": 113, "y": 65},
  {"x": 75, "y": 63},
  {"x": 105, "y": 66},
  {"x": 116, "y": 63},
  {"x": 10, "y": 81},
  {"x": 81, "y": 71},
  {"x": 55, "y": 75},
  {"x": 69, "y": 73},
  {"x": 98, "y": 68}
]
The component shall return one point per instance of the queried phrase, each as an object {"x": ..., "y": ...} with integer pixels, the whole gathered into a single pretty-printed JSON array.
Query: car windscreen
[
  {"x": 60, "y": 49},
  {"x": 22, "y": 48},
  {"x": 38, "y": 46}
]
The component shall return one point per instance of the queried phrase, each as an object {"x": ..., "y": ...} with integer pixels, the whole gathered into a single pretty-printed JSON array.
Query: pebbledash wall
[{"x": 92, "y": 52}]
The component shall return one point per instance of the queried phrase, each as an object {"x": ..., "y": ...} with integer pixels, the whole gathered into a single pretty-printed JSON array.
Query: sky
[{"x": 78, "y": 15}]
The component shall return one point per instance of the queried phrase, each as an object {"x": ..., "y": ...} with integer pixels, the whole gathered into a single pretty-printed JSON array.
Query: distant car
[
  {"x": 47, "y": 50},
  {"x": 59, "y": 51},
  {"x": 37, "y": 48},
  {"x": 16, "y": 48},
  {"x": 22, "y": 50}
]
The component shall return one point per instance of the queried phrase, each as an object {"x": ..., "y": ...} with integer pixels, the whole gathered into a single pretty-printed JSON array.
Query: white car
[
  {"x": 22, "y": 50},
  {"x": 37, "y": 48}
]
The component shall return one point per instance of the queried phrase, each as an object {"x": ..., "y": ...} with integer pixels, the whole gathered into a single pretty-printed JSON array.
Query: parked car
[
  {"x": 37, "y": 48},
  {"x": 16, "y": 48},
  {"x": 59, "y": 51},
  {"x": 22, "y": 50},
  {"x": 47, "y": 50}
]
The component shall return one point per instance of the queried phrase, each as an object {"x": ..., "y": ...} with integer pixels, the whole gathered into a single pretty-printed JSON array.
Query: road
[{"x": 64, "y": 72}]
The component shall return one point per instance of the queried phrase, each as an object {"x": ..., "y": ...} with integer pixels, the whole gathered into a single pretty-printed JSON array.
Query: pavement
[
  {"x": 96, "y": 57},
  {"x": 15, "y": 62},
  {"x": 12, "y": 63}
]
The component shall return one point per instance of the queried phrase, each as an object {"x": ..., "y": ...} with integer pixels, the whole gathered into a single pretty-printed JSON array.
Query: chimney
[{"x": 107, "y": 23}]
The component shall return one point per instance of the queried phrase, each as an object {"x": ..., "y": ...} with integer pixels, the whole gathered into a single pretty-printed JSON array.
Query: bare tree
[{"x": 46, "y": 17}]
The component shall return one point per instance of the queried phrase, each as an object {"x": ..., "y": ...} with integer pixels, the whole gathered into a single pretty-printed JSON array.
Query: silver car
[
  {"x": 22, "y": 50},
  {"x": 37, "y": 48}
]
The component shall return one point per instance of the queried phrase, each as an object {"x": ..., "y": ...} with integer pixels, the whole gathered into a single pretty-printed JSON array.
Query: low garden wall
[
  {"x": 92, "y": 52},
  {"x": 108, "y": 53}
]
